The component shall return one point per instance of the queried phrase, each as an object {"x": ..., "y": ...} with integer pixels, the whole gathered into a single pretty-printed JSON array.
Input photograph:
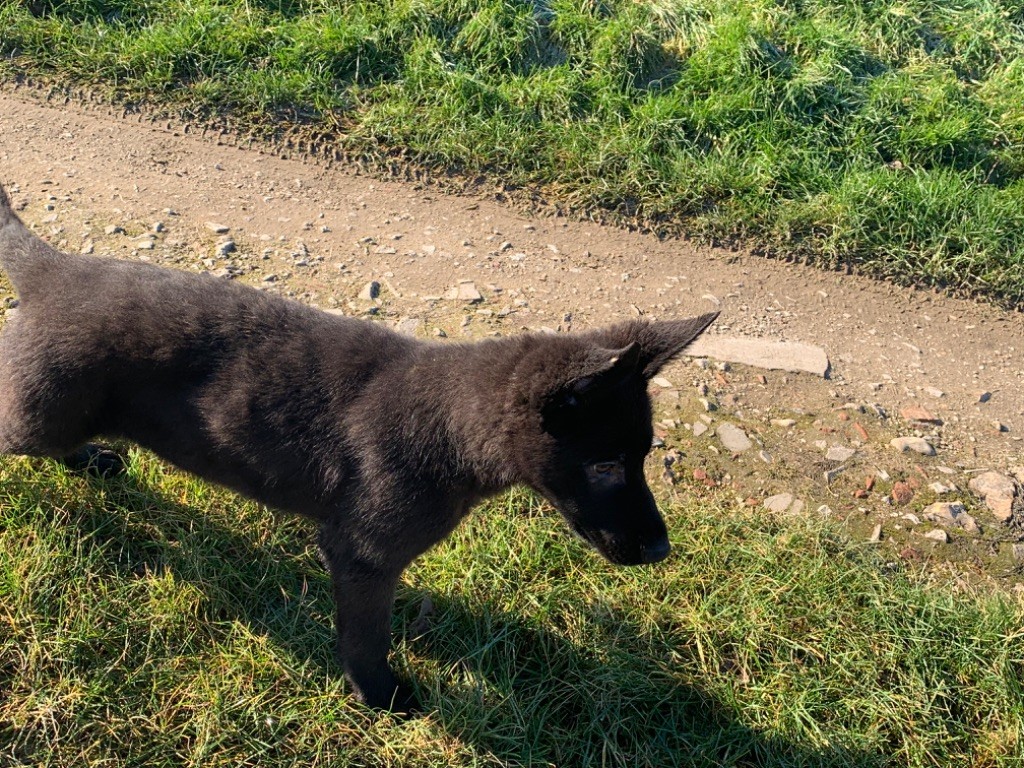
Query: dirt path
[{"x": 321, "y": 234}]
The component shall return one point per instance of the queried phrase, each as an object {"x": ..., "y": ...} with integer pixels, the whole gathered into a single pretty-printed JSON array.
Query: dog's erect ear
[
  {"x": 658, "y": 342},
  {"x": 602, "y": 370}
]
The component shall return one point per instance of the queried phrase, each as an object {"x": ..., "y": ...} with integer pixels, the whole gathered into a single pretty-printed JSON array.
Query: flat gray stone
[
  {"x": 464, "y": 291},
  {"x": 917, "y": 444},
  {"x": 733, "y": 438},
  {"x": 999, "y": 492},
  {"x": 951, "y": 514},
  {"x": 780, "y": 502},
  {"x": 840, "y": 453},
  {"x": 770, "y": 355}
]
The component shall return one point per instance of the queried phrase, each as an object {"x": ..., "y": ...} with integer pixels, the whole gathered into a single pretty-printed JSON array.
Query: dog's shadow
[{"x": 614, "y": 707}]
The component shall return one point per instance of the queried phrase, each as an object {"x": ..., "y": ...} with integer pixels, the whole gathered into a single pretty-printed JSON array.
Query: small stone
[
  {"x": 217, "y": 229},
  {"x": 998, "y": 491},
  {"x": 1018, "y": 552},
  {"x": 784, "y": 423},
  {"x": 464, "y": 291},
  {"x": 370, "y": 291},
  {"x": 984, "y": 397},
  {"x": 733, "y": 438},
  {"x": 938, "y": 535},
  {"x": 780, "y": 502},
  {"x": 408, "y": 326},
  {"x": 840, "y": 453},
  {"x": 902, "y": 493},
  {"x": 915, "y": 413},
  {"x": 950, "y": 514},
  {"x": 933, "y": 392},
  {"x": 158, "y": 226},
  {"x": 917, "y": 444},
  {"x": 699, "y": 428},
  {"x": 225, "y": 247},
  {"x": 87, "y": 247},
  {"x": 662, "y": 382},
  {"x": 113, "y": 229},
  {"x": 439, "y": 332},
  {"x": 765, "y": 457},
  {"x": 876, "y": 534},
  {"x": 998, "y": 426},
  {"x": 941, "y": 488},
  {"x": 145, "y": 245},
  {"x": 832, "y": 474}
]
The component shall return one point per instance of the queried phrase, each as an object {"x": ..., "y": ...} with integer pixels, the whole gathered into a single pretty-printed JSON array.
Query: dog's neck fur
[{"x": 477, "y": 406}]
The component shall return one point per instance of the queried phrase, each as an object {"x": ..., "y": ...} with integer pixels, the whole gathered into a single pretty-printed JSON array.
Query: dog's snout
[{"x": 656, "y": 551}]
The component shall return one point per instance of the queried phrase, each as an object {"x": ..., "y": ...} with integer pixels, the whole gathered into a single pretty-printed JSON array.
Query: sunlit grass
[
  {"x": 158, "y": 621},
  {"x": 887, "y": 134}
]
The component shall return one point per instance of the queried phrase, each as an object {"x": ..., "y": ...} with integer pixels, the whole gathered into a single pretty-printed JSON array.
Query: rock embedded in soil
[
  {"x": 370, "y": 291},
  {"x": 771, "y": 355},
  {"x": 840, "y": 453},
  {"x": 217, "y": 229},
  {"x": 916, "y": 444},
  {"x": 902, "y": 493},
  {"x": 938, "y": 535},
  {"x": 951, "y": 514},
  {"x": 733, "y": 438},
  {"x": 464, "y": 291},
  {"x": 998, "y": 491}
]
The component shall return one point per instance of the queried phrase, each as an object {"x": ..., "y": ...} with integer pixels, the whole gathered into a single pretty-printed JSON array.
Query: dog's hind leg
[
  {"x": 96, "y": 460},
  {"x": 364, "y": 597}
]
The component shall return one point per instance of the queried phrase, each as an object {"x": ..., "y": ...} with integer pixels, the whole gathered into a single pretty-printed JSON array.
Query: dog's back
[{"x": 171, "y": 360}]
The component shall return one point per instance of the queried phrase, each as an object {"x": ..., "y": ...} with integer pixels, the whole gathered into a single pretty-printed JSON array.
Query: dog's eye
[{"x": 605, "y": 467}]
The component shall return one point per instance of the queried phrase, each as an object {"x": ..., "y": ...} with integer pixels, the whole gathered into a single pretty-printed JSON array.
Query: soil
[{"x": 89, "y": 179}]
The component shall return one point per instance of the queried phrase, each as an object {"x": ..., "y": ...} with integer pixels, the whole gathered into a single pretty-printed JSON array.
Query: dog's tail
[{"x": 24, "y": 258}]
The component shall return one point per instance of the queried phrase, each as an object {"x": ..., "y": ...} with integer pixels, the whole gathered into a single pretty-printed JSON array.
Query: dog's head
[{"x": 592, "y": 430}]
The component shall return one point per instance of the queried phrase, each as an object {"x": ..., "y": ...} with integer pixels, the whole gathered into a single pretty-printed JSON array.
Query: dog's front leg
[{"x": 364, "y": 599}]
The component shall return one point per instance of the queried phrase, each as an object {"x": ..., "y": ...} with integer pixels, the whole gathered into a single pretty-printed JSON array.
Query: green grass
[
  {"x": 156, "y": 621},
  {"x": 887, "y": 134}
]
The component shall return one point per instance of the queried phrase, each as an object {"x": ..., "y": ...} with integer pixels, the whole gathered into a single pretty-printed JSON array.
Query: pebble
[
  {"x": 1018, "y": 552},
  {"x": 917, "y": 444},
  {"x": 370, "y": 291},
  {"x": 998, "y": 491},
  {"x": 699, "y": 428},
  {"x": 902, "y": 493},
  {"x": 950, "y": 514},
  {"x": 780, "y": 502},
  {"x": 876, "y": 534},
  {"x": 113, "y": 229},
  {"x": 917, "y": 413},
  {"x": 934, "y": 392},
  {"x": 145, "y": 245},
  {"x": 464, "y": 291},
  {"x": 938, "y": 535},
  {"x": 840, "y": 453},
  {"x": 225, "y": 247},
  {"x": 217, "y": 229},
  {"x": 733, "y": 438},
  {"x": 662, "y": 382},
  {"x": 941, "y": 488},
  {"x": 984, "y": 397},
  {"x": 784, "y": 423}
]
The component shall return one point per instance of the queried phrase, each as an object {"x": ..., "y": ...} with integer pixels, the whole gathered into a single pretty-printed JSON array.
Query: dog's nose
[{"x": 659, "y": 550}]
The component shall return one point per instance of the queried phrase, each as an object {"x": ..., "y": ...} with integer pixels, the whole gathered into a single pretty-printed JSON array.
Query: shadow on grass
[{"x": 510, "y": 687}]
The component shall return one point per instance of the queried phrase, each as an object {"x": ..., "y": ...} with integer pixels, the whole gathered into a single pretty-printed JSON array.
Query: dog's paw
[
  {"x": 400, "y": 701},
  {"x": 95, "y": 460}
]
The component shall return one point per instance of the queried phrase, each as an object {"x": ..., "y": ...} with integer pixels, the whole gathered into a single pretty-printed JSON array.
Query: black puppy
[{"x": 386, "y": 441}]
